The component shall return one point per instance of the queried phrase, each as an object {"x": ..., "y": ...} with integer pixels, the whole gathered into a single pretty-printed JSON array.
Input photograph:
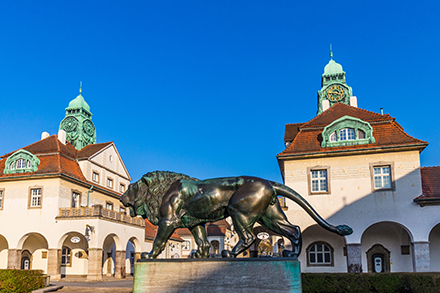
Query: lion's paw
[{"x": 227, "y": 254}]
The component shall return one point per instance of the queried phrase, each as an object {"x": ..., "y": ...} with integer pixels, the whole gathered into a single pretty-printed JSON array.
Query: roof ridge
[
  {"x": 335, "y": 106},
  {"x": 29, "y": 145},
  {"x": 403, "y": 131}
]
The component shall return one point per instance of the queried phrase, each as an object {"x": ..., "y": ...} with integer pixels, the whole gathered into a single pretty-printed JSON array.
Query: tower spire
[
  {"x": 80, "y": 87},
  {"x": 331, "y": 52}
]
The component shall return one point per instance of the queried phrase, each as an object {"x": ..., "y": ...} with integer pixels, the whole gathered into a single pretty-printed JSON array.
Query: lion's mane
[{"x": 157, "y": 184}]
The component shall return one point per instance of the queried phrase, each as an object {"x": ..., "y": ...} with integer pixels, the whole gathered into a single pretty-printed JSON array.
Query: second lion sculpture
[{"x": 172, "y": 200}]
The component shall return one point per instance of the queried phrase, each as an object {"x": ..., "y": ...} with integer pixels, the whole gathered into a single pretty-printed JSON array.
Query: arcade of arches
[{"x": 72, "y": 256}]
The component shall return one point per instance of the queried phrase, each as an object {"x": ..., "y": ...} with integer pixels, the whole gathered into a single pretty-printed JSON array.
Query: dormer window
[
  {"x": 347, "y": 131},
  {"x": 20, "y": 162}
]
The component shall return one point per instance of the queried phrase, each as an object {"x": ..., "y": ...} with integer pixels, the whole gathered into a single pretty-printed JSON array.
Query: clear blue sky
[{"x": 206, "y": 87}]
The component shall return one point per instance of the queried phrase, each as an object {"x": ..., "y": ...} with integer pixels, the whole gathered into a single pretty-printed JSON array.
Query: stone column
[
  {"x": 14, "y": 258},
  {"x": 95, "y": 265},
  {"x": 421, "y": 259},
  {"x": 354, "y": 258},
  {"x": 54, "y": 263},
  {"x": 120, "y": 264}
]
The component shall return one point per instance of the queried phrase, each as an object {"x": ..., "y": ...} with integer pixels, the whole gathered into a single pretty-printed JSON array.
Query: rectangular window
[
  {"x": 319, "y": 180},
  {"x": 35, "y": 199},
  {"x": 122, "y": 209},
  {"x": 109, "y": 183},
  {"x": 65, "y": 256},
  {"x": 2, "y": 191},
  {"x": 109, "y": 206},
  {"x": 76, "y": 199},
  {"x": 382, "y": 177},
  {"x": 95, "y": 176},
  {"x": 121, "y": 187}
]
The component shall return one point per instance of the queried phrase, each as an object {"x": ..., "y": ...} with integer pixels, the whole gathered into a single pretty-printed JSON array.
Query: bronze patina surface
[{"x": 172, "y": 200}]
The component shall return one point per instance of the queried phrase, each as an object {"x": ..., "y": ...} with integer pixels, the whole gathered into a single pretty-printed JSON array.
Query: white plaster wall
[
  {"x": 4, "y": 259},
  {"x": 38, "y": 263},
  {"x": 352, "y": 200}
]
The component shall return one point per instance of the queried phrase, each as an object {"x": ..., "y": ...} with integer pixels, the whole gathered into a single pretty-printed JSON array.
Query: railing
[{"x": 99, "y": 211}]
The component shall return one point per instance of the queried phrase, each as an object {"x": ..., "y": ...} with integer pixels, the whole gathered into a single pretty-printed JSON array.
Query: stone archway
[
  {"x": 34, "y": 246},
  {"x": 315, "y": 236},
  {"x": 390, "y": 243},
  {"x": 132, "y": 254},
  {"x": 74, "y": 250},
  {"x": 113, "y": 257}
]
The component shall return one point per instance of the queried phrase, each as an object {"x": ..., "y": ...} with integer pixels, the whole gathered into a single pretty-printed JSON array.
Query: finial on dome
[
  {"x": 80, "y": 87},
  {"x": 331, "y": 52}
]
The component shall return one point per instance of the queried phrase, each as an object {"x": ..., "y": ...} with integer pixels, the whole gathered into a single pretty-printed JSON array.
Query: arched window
[
  {"x": 21, "y": 164},
  {"x": 215, "y": 247},
  {"x": 346, "y": 134},
  {"x": 319, "y": 254}
]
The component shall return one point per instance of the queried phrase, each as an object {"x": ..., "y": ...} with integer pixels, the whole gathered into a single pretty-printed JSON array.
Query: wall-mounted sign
[
  {"x": 75, "y": 239},
  {"x": 263, "y": 235}
]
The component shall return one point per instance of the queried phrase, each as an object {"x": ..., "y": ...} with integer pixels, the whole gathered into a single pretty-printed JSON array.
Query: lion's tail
[{"x": 291, "y": 194}]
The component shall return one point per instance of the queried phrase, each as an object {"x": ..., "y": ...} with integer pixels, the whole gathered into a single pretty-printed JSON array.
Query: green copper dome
[
  {"x": 79, "y": 103},
  {"x": 333, "y": 68}
]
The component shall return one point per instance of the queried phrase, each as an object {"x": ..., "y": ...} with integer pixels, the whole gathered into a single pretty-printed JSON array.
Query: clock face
[
  {"x": 70, "y": 124},
  {"x": 335, "y": 93},
  {"x": 89, "y": 128}
]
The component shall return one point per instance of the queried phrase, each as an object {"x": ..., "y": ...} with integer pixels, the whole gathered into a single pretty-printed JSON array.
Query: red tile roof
[
  {"x": 92, "y": 149},
  {"x": 386, "y": 131},
  {"x": 151, "y": 230},
  {"x": 213, "y": 229},
  {"x": 430, "y": 184},
  {"x": 55, "y": 158}
]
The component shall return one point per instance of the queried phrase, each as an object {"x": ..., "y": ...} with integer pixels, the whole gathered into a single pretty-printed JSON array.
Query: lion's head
[{"x": 144, "y": 197}]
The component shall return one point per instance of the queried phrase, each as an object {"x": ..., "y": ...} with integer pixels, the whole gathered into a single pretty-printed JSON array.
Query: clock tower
[
  {"x": 78, "y": 124},
  {"x": 334, "y": 88}
]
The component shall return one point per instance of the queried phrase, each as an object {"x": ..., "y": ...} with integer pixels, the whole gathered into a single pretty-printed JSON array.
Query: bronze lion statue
[{"x": 172, "y": 200}]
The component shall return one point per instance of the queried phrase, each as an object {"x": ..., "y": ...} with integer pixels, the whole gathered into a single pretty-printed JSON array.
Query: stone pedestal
[
  {"x": 14, "y": 258},
  {"x": 244, "y": 275},
  {"x": 354, "y": 258},
  {"x": 54, "y": 264},
  {"x": 95, "y": 265},
  {"x": 120, "y": 264},
  {"x": 421, "y": 258}
]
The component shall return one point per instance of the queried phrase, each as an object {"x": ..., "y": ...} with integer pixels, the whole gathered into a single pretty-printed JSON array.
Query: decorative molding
[
  {"x": 31, "y": 162},
  {"x": 347, "y": 122}
]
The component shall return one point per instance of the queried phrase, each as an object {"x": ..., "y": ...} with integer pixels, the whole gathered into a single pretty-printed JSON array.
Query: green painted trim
[
  {"x": 347, "y": 122},
  {"x": 353, "y": 152},
  {"x": 31, "y": 162}
]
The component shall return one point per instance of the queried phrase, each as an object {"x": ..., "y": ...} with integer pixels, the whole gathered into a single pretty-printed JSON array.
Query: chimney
[
  {"x": 62, "y": 136},
  {"x": 354, "y": 101},
  {"x": 44, "y": 135},
  {"x": 325, "y": 105}
]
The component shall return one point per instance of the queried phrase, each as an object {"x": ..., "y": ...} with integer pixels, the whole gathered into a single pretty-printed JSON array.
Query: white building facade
[
  {"x": 360, "y": 168},
  {"x": 59, "y": 205}
]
